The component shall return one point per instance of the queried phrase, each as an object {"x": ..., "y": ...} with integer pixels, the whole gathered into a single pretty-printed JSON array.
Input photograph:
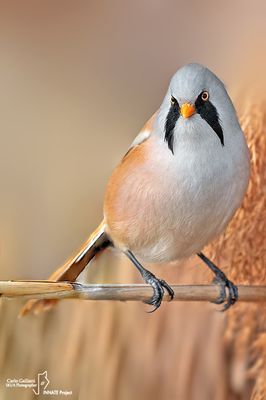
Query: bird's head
[{"x": 196, "y": 106}]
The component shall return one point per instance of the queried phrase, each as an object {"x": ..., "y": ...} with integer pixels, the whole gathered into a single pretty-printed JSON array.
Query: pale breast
[{"x": 164, "y": 207}]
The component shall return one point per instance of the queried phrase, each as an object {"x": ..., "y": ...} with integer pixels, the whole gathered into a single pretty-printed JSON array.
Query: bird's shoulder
[{"x": 143, "y": 135}]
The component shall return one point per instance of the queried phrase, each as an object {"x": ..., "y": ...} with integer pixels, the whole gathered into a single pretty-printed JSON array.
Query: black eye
[
  {"x": 204, "y": 95},
  {"x": 173, "y": 100}
]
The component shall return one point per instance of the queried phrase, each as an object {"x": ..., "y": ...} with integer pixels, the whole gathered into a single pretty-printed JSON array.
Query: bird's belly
[
  {"x": 161, "y": 232},
  {"x": 167, "y": 212}
]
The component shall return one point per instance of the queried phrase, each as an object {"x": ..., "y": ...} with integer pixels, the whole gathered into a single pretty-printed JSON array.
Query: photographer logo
[{"x": 39, "y": 385}]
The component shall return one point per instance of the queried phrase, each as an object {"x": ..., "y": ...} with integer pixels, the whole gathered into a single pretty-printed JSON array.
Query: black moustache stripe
[
  {"x": 170, "y": 122},
  {"x": 205, "y": 109},
  {"x": 208, "y": 112}
]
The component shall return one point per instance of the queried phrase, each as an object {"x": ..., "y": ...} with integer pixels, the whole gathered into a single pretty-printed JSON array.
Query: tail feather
[
  {"x": 75, "y": 265},
  {"x": 72, "y": 268}
]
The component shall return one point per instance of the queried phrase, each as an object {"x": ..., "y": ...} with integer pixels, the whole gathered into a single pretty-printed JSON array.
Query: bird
[{"x": 176, "y": 188}]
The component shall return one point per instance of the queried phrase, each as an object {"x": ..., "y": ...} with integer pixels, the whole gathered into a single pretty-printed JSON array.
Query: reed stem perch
[{"x": 121, "y": 292}]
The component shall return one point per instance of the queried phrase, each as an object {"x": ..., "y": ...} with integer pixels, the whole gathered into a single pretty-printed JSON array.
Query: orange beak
[{"x": 187, "y": 110}]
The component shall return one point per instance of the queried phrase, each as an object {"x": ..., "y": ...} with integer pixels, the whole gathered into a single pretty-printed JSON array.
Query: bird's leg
[
  {"x": 158, "y": 285},
  {"x": 222, "y": 280}
]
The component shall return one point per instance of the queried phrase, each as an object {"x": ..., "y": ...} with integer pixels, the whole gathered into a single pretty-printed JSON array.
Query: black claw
[
  {"x": 233, "y": 295},
  {"x": 158, "y": 286},
  {"x": 222, "y": 296},
  {"x": 168, "y": 289},
  {"x": 224, "y": 283}
]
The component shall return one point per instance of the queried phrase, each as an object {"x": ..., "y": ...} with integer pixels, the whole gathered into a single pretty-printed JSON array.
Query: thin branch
[{"x": 133, "y": 292}]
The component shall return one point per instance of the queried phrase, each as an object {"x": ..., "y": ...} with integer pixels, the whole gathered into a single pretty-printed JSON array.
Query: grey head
[{"x": 196, "y": 104}]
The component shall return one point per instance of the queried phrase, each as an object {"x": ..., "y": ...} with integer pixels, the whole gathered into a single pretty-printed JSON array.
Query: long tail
[{"x": 72, "y": 268}]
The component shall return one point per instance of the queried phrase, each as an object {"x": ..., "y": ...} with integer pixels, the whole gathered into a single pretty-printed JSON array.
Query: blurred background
[{"x": 78, "y": 80}]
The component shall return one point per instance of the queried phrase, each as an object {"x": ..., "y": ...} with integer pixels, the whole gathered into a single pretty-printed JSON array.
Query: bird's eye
[
  {"x": 204, "y": 95},
  {"x": 173, "y": 100}
]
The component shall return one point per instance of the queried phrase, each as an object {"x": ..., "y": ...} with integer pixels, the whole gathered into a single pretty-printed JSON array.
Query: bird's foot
[
  {"x": 159, "y": 286},
  {"x": 223, "y": 282}
]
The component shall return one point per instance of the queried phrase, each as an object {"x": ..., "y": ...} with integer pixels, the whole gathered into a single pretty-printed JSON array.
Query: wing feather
[{"x": 143, "y": 135}]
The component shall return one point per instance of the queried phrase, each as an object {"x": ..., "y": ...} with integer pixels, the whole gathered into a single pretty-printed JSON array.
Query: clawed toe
[
  {"x": 222, "y": 280},
  {"x": 158, "y": 286},
  {"x": 224, "y": 283},
  {"x": 233, "y": 295}
]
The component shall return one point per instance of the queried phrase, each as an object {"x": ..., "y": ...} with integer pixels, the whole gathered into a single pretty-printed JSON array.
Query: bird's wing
[{"x": 143, "y": 135}]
